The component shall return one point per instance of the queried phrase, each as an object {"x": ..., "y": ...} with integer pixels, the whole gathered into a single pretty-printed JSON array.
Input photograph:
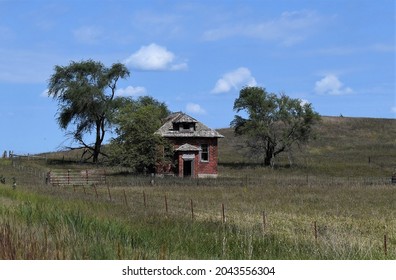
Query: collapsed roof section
[{"x": 182, "y": 125}]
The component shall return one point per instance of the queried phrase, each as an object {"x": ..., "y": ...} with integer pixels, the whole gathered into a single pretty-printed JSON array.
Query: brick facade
[
  {"x": 201, "y": 168},
  {"x": 194, "y": 144}
]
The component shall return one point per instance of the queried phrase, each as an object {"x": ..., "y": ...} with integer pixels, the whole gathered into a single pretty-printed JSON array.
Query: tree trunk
[
  {"x": 96, "y": 152},
  {"x": 269, "y": 154},
  {"x": 267, "y": 160},
  {"x": 95, "y": 156},
  {"x": 98, "y": 143}
]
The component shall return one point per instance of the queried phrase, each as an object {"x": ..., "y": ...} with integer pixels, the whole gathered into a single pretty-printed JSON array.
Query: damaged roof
[
  {"x": 188, "y": 148},
  {"x": 173, "y": 123}
]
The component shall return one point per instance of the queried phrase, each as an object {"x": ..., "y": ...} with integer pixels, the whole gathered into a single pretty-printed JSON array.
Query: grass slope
[
  {"x": 336, "y": 202},
  {"x": 342, "y": 147}
]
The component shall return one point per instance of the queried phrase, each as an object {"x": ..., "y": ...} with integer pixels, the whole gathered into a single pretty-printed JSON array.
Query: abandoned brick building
[{"x": 194, "y": 144}]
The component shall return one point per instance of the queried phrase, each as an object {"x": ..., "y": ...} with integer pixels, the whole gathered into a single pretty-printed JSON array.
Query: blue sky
[{"x": 196, "y": 56}]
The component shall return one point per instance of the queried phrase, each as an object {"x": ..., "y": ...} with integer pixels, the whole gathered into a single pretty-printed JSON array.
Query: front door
[{"x": 188, "y": 168}]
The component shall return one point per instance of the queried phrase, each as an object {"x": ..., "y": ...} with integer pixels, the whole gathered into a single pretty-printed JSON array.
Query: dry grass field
[{"x": 334, "y": 202}]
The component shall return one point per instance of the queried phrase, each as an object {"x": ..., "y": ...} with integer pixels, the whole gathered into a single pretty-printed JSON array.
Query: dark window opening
[
  {"x": 186, "y": 127},
  {"x": 204, "y": 152}
]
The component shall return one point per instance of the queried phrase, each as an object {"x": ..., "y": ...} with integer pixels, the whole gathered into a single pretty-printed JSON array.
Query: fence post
[
  {"x": 108, "y": 189},
  {"x": 125, "y": 197},
  {"x": 166, "y": 205},
  {"x": 96, "y": 192},
  {"x": 223, "y": 213},
  {"x": 264, "y": 222},
  {"x": 144, "y": 199},
  {"x": 315, "y": 231},
  {"x": 192, "y": 209},
  {"x": 48, "y": 179}
]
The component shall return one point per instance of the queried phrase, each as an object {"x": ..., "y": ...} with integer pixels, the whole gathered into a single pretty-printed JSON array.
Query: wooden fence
[{"x": 84, "y": 177}]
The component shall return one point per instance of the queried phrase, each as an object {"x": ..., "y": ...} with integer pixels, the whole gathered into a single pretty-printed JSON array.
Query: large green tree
[
  {"x": 136, "y": 145},
  {"x": 85, "y": 92},
  {"x": 272, "y": 124}
]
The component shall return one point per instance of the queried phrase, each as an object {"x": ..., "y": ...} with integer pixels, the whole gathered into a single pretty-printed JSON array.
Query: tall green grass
[{"x": 41, "y": 226}]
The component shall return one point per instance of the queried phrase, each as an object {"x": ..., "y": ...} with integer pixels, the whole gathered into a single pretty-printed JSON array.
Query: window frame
[{"x": 204, "y": 152}]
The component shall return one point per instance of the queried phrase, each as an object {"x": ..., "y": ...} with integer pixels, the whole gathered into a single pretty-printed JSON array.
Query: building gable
[
  {"x": 195, "y": 145},
  {"x": 182, "y": 125}
]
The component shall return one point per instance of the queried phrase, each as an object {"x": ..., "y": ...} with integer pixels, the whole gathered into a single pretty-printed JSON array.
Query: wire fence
[
  {"x": 150, "y": 196},
  {"x": 154, "y": 195},
  {"x": 162, "y": 203},
  {"x": 123, "y": 177}
]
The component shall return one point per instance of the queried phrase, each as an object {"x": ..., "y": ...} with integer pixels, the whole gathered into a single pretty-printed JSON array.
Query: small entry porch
[{"x": 187, "y": 158}]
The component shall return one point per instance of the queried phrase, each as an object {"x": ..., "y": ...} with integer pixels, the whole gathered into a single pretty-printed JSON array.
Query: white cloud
[
  {"x": 393, "y": 109},
  {"x": 304, "y": 102},
  {"x": 195, "y": 109},
  {"x": 44, "y": 93},
  {"x": 330, "y": 84},
  {"x": 356, "y": 49},
  {"x": 155, "y": 58},
  {"x": 87, "y": 34},
  {"x": 383, "y": 47},
  {"x": 131, "y": 91},
  {"x": 288, "y": 29},
  {"x": 234, "y": 80},
  {"x": 178, "y": 67},
  {"x": 158, "y": 23}
]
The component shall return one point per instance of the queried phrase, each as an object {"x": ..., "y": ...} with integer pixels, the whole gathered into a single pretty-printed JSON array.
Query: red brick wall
[
  {"x": 200, "y": 167},
  {"x": 210, "y": 167},
  {"x": 180, "y": 163}
]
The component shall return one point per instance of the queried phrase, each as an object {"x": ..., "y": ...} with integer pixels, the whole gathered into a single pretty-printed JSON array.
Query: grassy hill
[
  {"x": 342, "y": 147},
  {"x": 334, "y": 202}
]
